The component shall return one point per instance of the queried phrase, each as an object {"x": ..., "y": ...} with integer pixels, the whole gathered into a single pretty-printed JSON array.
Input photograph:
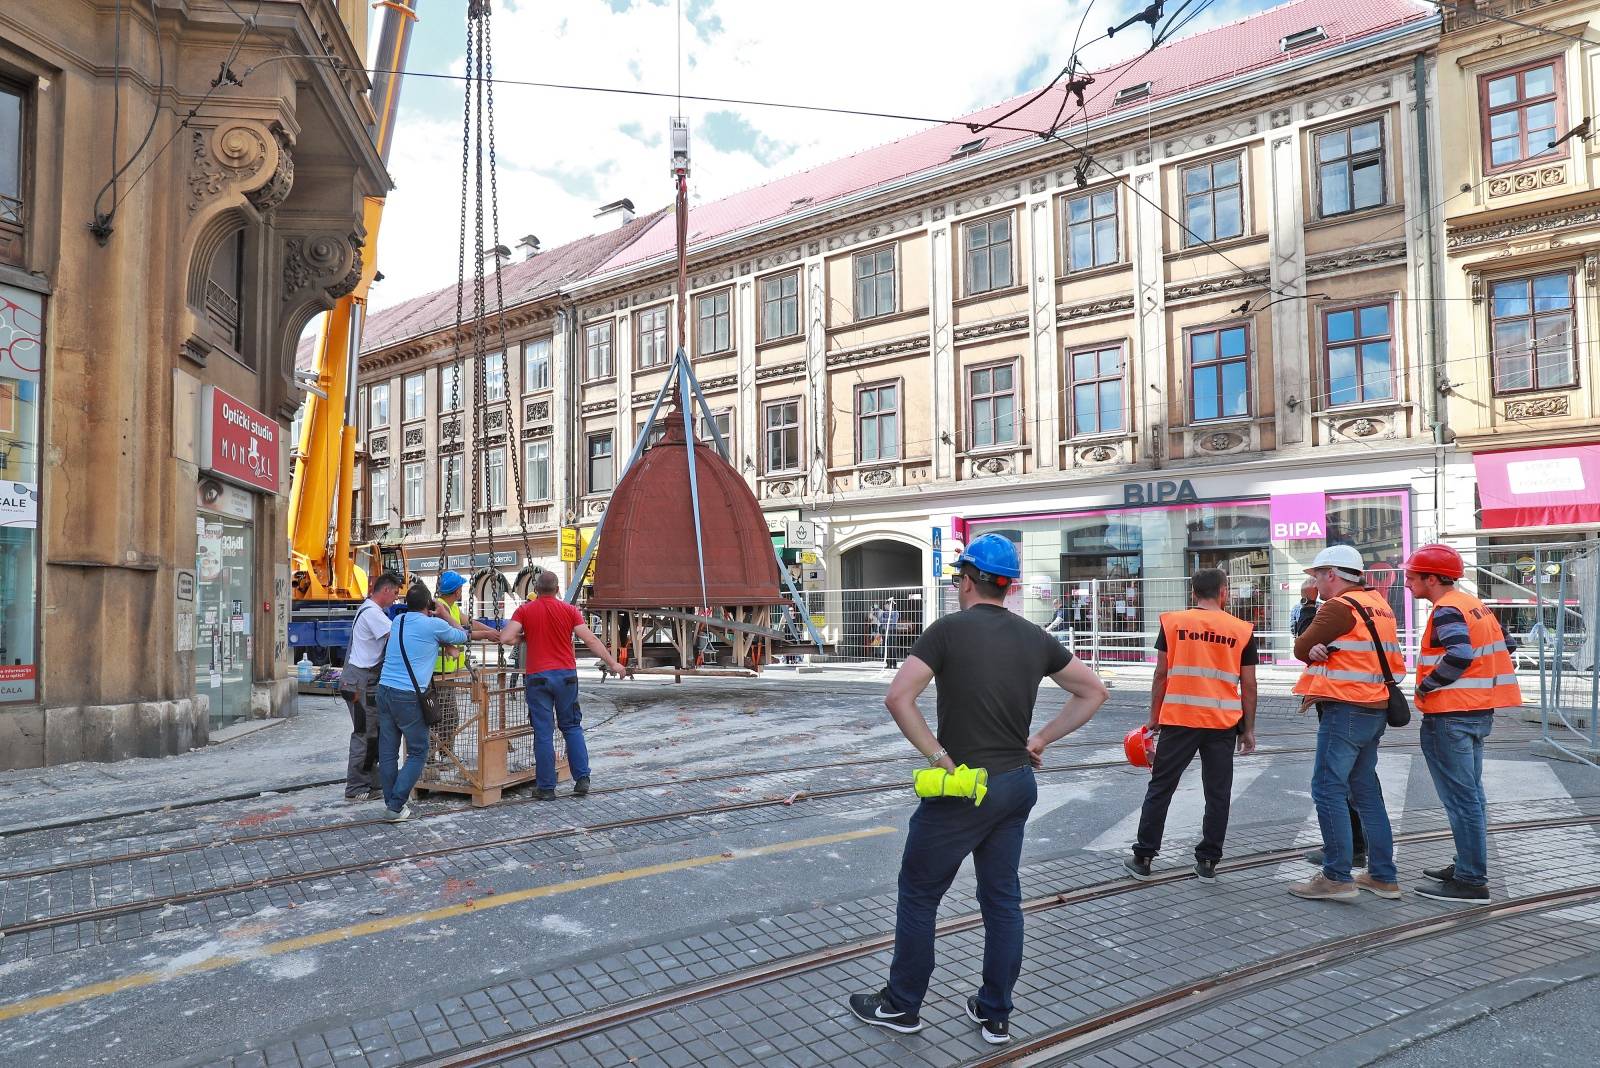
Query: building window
[
  {"x": 536, "y": 365},
  {"x": 380, "y": 495},
  {"x": 378, "y": 399},
  {"x": 601, "y": 472},
  {"x": 597, "y": 351},
  {"x": 1350, "y": 169},
  {"x": 536, "y": 473},
  {"x": 874, "y": 275},
  {"x": 722, "y": 421},
  {"x": 713, "y": 323},
  {"x": 1213, "y": 201},
  {"x": 1359, "y": 343},
  {"x": 650, "y": 330},
  {"x": 1522, "y": 114},
  {"x": 450, "y": 381},
  {"x": 992, "y": 406},
  {"x": 22, "y": 315},
  {"x": 780, "y": 306},
  {"x": 225, "y": 291},
  {"x": 1092, "y": 230},
  {"x": 452, "y": 484},
  {"x": 1219, "y": 373},
  {"x": 877, "y": 423},
  {"x": 654, "y": 432},
  {"x": 13, "y": 172},
  {"x": 1531, "y": 326},
  {"x": 782, "y": 420},
  {"x": 494, "y": 376},
  {"x": 416, "y": 397},
  {"x": 494, "y": 478},
  {"x": 1096, "y": 377},
  {"x": 412, "y": 499},
  {"x": 989, "y": 255}
]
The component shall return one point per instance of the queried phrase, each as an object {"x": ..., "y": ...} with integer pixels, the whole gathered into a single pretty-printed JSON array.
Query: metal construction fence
[{"x": 1563, "y": 638}]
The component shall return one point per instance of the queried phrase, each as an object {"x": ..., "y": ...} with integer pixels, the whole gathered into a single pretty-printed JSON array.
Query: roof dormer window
[
  {"x": 970, "y": 148},
  {"x": 1131, "y": 93},
  {"x": 1301, "y": 38}
]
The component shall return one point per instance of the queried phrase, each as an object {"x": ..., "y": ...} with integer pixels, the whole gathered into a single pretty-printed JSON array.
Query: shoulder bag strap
[
  {"x": 407, "y": 661},
  {"x": 1377, "y": 642}
]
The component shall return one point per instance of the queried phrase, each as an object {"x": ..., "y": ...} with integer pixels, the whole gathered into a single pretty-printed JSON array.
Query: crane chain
[{"x": 461, "y": 283}]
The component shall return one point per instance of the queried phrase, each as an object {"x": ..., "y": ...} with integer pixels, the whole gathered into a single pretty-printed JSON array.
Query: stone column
[
  {"x": 817, "y": 385},
  {"x": 941, "y": 295},
  {"x": 1287, "y": 272},
  {"x": 1149, "y": 377},
  {"x": 1044, "y": 403},
  {"x": 744, "y": 431}
]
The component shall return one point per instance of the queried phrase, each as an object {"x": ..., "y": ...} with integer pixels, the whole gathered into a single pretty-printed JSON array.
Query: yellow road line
[{"x": 390, "y": 923}]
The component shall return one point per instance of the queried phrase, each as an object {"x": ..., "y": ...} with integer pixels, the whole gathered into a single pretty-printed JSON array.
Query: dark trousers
[
  {"x": 943, "y": 831},
  {"x": 1174, "y": 752},
  {"x": 359, "y": 688}
]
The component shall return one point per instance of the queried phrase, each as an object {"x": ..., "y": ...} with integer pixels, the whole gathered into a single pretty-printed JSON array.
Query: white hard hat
[{"x": 1342, "y": 557}]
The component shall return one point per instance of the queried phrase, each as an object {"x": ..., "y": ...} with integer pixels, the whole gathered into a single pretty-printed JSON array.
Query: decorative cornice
[
  {"x": 599, "y": 407},
  {"x": 1368, "y": 257},
  {"x": 1473, "y": 236},
  {"x": 720, "y": 382},
  {"x": 882, "y": 350},
  {"x": 992, "y": 328},
  {"x": 1223, "y": 284},
  {"x": 780, "y": 370},
  {"x": 1066, "y": 313}
]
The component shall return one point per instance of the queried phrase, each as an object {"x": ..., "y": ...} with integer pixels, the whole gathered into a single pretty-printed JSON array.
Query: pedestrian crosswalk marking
[{"x": 1183, "y": 818}]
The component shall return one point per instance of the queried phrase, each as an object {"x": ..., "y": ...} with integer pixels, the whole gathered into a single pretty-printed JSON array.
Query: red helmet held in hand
[
  {"x": 1140, "y": 745},
  {"x": 1436, "y": 560}
]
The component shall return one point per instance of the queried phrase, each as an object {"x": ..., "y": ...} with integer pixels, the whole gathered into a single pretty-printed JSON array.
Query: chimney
[
  {"x": 615, "y": 214},
  {"x": 528, "y": 246},
  {"x": 490, "y": 255}
]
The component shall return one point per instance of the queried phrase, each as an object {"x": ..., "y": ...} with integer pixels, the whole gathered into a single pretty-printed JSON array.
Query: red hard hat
[
  {"x": 1140, "y": 745},
  {"x": 1436, "y": 560}
]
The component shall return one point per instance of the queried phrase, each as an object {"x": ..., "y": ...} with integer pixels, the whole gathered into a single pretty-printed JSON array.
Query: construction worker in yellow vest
[
  {"x": 1350, "y": 642},
  {"x": 1203, "y": 700},
  {"x": 447, "y": 606},
  {"x": 1464, "y": 673}
]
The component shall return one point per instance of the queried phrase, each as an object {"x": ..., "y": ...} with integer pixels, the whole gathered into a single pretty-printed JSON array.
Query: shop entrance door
[{"x": 223, "y": 591}]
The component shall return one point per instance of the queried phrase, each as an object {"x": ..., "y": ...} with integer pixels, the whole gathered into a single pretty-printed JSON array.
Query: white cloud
[{"x": 562, "y": 153}]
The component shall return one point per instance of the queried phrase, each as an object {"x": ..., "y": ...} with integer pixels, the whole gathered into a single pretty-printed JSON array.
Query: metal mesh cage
[{"x": 483, "y": 743}]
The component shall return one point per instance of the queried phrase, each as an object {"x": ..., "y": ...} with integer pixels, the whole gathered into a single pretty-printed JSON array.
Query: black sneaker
[
  {"x": 875, "y": 1010},
  {"x": 1139, "y": 868},
  {"x": 1205, "y": 870},
  {"x": 1451, "y": 890},
  {"x": 542, "y": 795},
  {"x": 580, "y": 788},
  {"x": 996, "y": 1033},
  {"x": 1444, "y": 875},
  {"x": 1315, "y": 859}
]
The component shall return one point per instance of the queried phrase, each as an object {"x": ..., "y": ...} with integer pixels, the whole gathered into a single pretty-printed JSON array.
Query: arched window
[{"x": 225, "y": 291}]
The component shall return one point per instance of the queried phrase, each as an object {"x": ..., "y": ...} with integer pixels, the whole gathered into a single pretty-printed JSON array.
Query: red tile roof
[{"x": 1250, "y": 44}]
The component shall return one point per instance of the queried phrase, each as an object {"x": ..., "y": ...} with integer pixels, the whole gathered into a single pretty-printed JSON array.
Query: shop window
[
  {"x": 1092, "y": 230},
  {"x": 494, "y": 478},
  {"x": 451, "y": 380},
  {"x": 494, "y": 377},
  {"x": 536, "y": 471},
  {"x": 714, "y": 323},
  {"x": 650, "y": 335},
  {"x": 412, "y": 500},
  {"x": 225, "y": 291},
  {"x": 874, "y": 283},
  {"x": 780, "y": 306},
  {"x": 22, "y": 326},
  {"x": 1219, "y": 373},
  {"x": 597, "y": 351},
  {"x": 877, "y": 423},
  {"x": 416, "y": 398},
  {"x": 1531, "y": 327},
  {"x": 1522, "y": 111},
  {"x": 536, "y": 365},
  {"x": 1096, "y": 382},
  {"x": 378, "y": 405},
  {"x": 1359, "y": 346},
  {"x": 379, "y": 482},
  {"x": 1213, "y": 201},
  {"x": 1350, "y": 168},
  {"x": 13, "y": 171},
  {"x": 782, "y": 420},
  {"x": 601, "y": 472},
  {"x": 452, "y": 484},
  {"x": 992, "y": 406},
  {"x": 988, "y": 259},
  {"x": 1376, "y": 525}
]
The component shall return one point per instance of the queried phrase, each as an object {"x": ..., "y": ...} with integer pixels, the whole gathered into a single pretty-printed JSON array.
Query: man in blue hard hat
[
  {"x": 988, "y": 661},
  {"x": 447, "y": 606}
]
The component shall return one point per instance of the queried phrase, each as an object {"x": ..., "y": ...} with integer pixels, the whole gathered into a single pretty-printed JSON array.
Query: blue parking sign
[{"x": 938, "y": 564}]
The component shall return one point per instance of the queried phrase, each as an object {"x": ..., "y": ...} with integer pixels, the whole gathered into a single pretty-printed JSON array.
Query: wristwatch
[{"x": 933, "y": 760}]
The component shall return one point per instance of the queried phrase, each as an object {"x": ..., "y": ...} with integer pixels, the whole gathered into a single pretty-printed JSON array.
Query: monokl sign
[{"x": 238, "y": 443}]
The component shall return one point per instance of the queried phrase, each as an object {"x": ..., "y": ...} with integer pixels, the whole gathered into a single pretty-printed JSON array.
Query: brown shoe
[
  {"x": 1322, "y": 888},
  {"x": 1366, "y": 882}
]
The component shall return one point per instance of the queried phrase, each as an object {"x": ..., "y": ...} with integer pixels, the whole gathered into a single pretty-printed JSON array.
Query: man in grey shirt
[{"x": 358, "y": 684}]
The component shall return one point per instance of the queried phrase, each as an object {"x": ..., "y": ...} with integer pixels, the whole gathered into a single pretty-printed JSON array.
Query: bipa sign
[
  {"x": 1299, "y": 517},
  {"x": 238, "y": 443}
]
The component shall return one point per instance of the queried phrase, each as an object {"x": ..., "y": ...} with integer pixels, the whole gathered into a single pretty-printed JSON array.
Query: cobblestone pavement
[{"x": 380, "y": 945}]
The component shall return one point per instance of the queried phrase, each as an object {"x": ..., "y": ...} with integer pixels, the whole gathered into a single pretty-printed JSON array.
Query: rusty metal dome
[{"x": 647, "y": 557}]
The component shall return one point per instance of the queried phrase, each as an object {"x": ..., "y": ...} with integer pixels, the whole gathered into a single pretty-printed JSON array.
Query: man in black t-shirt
[{"x": 988, "y": 662}]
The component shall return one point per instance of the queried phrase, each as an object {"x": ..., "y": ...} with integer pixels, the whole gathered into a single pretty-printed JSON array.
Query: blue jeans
[
  {"x": 552, "y": 703},
  {"x": 942, "y": 832},
  {"x": 399, "y": 713},
  {"x": 1452, "y": 744},
  {"x": 1346, "y": 774}
]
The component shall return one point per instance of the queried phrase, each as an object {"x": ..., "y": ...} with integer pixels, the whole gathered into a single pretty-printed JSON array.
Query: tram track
[
  {"x": 123, "y": 908},
  {"x": 1091, "y": 1029}
]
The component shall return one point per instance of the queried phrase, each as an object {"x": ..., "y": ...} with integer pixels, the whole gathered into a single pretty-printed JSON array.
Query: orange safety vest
[
  {"x": 1204, "y": 651},
  {"x": 1491, "y": 681},
  {"x": 1352, "y": 672}
]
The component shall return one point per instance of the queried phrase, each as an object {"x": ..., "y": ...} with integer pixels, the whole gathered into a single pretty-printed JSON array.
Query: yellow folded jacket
[{"x": 962, "y": 782}]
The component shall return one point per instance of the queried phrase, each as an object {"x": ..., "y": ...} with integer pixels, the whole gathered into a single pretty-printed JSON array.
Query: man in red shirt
[{"x": 549, "y": 623}]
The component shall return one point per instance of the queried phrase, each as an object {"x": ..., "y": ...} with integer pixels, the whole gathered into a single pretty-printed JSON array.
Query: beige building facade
[{"x": 154, "y": 289}]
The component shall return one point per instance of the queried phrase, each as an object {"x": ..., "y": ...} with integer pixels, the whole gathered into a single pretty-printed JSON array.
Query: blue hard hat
[
  {"x": 994, "y": 555},
  {"x": 449, "y": 583}
]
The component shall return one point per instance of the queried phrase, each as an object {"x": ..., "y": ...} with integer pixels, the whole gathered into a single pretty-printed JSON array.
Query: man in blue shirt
[{"x": 408, "y": 661}]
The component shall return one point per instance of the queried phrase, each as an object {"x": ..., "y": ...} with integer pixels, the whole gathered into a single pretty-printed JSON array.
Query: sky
[{"x": 561, "y": 154}]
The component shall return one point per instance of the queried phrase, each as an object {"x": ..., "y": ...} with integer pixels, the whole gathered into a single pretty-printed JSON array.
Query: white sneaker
[{"x": 398, "y": 817}]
